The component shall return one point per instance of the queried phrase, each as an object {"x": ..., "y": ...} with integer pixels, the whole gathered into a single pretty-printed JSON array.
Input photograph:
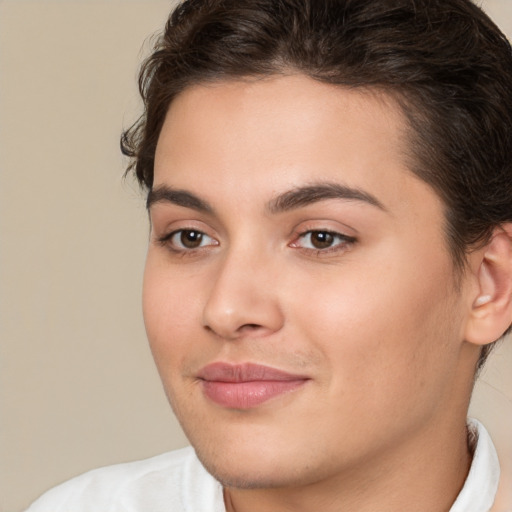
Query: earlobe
[{"x": 491, "y": 310}]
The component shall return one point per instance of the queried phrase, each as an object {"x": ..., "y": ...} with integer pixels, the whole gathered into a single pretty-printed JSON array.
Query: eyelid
[
  {"x": 164, "y": 226},
  {"x": 165, "y": 240},
  {"x": 327, "y": 231},
  {"x": 343, "y": 243},
  {"x": 164, "y": 218}
]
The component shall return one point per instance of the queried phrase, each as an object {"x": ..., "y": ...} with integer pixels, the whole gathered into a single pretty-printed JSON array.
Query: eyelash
[
  {"x": 344, "y": 241},
  {"x": 167, "y": 241}
]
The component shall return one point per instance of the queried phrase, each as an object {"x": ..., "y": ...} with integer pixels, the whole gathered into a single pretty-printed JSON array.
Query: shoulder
[{"x": 157, "y": 484}]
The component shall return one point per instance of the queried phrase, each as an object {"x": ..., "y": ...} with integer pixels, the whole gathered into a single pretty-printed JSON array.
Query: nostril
[
  {"x": 251, "y": 327},
  {"x": 245, "y": 329},
  {"x": 231, "y": 312}
]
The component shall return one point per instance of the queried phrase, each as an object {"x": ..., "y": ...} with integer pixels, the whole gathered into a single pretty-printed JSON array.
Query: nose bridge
[{"x": 243, "y": 297}]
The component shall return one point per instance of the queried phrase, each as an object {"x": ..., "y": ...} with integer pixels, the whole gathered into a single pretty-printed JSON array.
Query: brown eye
[
  {"x": 321, "y": 239},
  {"x": 190, "y": 239},
  {"x": 183, "y": 240}
]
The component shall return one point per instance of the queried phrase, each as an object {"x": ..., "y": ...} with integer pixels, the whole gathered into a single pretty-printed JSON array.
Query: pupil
[
  {"x": 321, "y": 239},
  {"x": 191, "y": 239}
]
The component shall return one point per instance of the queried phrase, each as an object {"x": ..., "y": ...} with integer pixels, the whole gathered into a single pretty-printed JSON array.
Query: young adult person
[{"x": 330, "y": 194}]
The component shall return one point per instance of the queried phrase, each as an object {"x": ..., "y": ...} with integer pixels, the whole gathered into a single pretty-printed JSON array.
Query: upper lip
[{"x": 246, "y": 372}]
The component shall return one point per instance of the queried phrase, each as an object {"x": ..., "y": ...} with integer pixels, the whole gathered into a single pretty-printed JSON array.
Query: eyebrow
[
  {"x": 309, "y": 194},
  {"x": 163, "y": 193},
  {"x": 289, "y": 200}
]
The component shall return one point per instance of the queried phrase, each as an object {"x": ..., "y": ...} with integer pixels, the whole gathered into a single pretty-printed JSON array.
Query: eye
[
  {"x": 319, "y": 240},
  {"x": 188, "y": 239}
]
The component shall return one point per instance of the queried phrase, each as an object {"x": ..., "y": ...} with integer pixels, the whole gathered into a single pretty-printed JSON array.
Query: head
[{"x": 436, "y": 75}]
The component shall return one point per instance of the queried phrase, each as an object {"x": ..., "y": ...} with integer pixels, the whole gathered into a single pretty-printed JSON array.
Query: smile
[{"x": 247, "y": 385}]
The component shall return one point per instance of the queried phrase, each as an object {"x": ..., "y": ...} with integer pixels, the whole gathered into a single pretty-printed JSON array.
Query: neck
[{"x": 427, "y": 470}]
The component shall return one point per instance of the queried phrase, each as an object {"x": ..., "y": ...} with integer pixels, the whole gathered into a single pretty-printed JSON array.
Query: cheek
[
  {"x": 379, "y": 330},
  {"x": 170, "y": 312}
]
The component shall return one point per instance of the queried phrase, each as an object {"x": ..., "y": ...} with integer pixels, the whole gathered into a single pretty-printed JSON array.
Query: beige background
[{"x": 77, "y": 384}]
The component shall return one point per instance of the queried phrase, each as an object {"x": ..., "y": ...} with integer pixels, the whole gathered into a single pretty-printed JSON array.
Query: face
[{"x": 299, "y": 295}]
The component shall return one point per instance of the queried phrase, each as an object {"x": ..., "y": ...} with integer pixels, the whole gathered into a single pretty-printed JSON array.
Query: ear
[{"x": 491, "y": 309}]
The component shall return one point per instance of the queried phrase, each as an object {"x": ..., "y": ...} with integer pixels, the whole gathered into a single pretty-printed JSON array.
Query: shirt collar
[{"x": 481, "y": 485}]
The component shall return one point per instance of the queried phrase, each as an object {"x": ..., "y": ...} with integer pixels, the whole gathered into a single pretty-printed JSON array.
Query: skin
[{"x": 374, "y": 320}]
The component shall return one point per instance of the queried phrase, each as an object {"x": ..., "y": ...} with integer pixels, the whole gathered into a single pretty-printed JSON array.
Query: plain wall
[{"x": 77, "y": 385}]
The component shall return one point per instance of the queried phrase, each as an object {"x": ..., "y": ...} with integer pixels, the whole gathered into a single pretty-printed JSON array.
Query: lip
[{"x": 244, "y": 386}]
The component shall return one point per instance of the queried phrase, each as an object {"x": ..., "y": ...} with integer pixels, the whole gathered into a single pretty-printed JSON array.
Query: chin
[
  {"x": 239, "y": 464},
  {"x": 240, "y": 473},
  {"x": 259, "y": 464},
  {"x": 248, "y": 481}
]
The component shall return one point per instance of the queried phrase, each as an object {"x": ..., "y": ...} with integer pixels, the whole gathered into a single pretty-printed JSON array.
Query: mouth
[{"x": 244, "y": 386}]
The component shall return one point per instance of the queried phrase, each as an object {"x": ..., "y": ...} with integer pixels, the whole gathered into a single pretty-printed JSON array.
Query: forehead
[
  {"x": 280, "y": 110},
  {"x": 263, "y": 136}
]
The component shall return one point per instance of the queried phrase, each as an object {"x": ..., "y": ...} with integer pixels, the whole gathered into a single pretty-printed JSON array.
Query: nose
[{"x": 243, "y": 300}]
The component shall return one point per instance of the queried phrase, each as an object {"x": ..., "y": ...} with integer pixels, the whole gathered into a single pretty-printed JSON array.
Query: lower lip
[{"x": 245, "y": 395}]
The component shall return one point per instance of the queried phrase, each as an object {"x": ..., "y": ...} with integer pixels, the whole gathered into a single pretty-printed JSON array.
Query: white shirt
[
  {"x": 177, "y": 482},
  {"x": 481, "y": 485}
]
